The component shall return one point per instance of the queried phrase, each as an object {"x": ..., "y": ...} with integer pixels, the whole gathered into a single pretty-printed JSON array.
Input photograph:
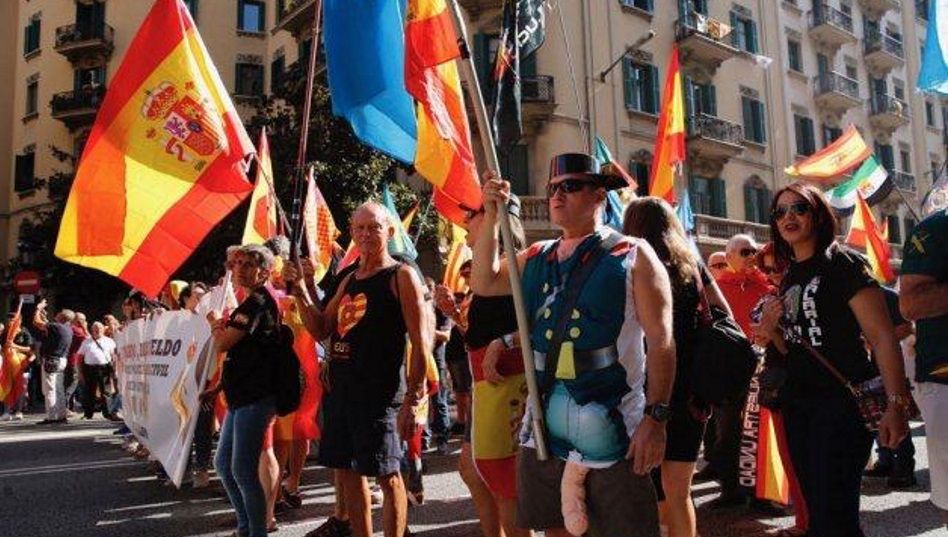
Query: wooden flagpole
[{"x": 469, "y": 73}]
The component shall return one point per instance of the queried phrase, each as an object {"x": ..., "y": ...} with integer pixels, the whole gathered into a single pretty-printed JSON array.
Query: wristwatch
[{"x": 659, "y": 412}]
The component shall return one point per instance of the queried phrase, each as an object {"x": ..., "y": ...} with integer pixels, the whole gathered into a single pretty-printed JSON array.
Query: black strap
[
  {"x": 705, "y": 310},
  {"x": 574, "y": 285}
]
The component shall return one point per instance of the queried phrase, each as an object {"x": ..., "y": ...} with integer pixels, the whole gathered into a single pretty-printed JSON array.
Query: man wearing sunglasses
[
  {"x": 595, "y": 298},
  {"x": 743, "y": 285}
]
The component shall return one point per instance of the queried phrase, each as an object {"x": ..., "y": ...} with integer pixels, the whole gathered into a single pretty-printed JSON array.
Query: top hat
[{"x": 582, "y": 165}]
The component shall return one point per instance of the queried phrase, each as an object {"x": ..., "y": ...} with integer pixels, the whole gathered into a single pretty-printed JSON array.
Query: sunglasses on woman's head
[
  {"x": 568, "y": 186},
  {"x": 799, "y": 208}
]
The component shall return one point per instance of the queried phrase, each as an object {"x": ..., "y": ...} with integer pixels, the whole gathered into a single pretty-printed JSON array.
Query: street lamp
[{"x": 628, "y": 50}]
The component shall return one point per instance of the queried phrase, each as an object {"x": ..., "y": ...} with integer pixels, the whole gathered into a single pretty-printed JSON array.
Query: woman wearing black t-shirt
[{"x": 830, "y": 301}]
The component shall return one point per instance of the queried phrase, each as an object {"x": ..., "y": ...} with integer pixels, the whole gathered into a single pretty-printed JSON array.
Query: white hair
[{"x": 736, "y": 241}]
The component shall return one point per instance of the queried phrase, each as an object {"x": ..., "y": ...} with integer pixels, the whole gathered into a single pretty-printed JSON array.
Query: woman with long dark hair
[
  {"x": 829, "y": 301},
  {"x": 654, "y": 220}
]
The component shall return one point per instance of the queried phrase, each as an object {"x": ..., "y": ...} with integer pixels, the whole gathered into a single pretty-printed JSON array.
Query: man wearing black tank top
[{"x": 369, "y": 402}]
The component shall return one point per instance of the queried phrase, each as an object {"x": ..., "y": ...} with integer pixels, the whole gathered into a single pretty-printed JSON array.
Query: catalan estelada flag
[
  {"x": 444, "y": 156},
  {"x": 670, "y": 141},
  {"x": 164, "y": 162},
  {"x": 841, "y": 156},
  {"x": 319, "y": 226},
  {"x": 877, "y": 247},
  {"x": 262, "y": 223}
]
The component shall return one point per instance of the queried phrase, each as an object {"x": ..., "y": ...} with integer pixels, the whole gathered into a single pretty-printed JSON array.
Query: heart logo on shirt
[{"x": 351, "y": 310}]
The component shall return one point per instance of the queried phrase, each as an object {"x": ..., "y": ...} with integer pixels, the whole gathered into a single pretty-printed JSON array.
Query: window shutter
[
  {"x": 627, "y": 82},
  {"x": 736, "y": 30},
  {"x": 752, "y": 38},
  {"x": 712, "y": 95},
  {"x": 748, "y": 116},
  {"x": 653, "y": 92},
  {"x": 649, "y": 5},
  {"x": 750, "y": 204},
  {"x": 482, "y": 64},
  {"x": 718, "y": 198}
]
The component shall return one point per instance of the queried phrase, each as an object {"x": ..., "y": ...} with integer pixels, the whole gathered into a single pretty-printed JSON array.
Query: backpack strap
[{"x": 573, "y": 287}]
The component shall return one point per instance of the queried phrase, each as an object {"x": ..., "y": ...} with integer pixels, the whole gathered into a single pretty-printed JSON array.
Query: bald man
[
  {"x": 717, "y": 264},
  {"x": 367, "y": 406}
]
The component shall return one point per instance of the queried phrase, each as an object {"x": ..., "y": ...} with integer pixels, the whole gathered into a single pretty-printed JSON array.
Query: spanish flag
[
  {"x": 164, "y": 162},
  {"x": 12, "y": 363},
  {"x": 670, "y": 142},
  {"x": 444, "y": 156},
  {"x": 261, "y": 222},
  {"x": 841, "y": 156},
  {"x": 877, "y": 248},
  {"x": 319, "y": 226},
  {"x": 457, "y": 255}
]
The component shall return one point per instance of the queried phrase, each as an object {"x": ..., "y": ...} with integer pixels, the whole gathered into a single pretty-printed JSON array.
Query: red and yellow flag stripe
[
  {"x": 670, "y": 141},
  {"x": 261, "y": 222},
  {"x": 164, "y": 161}
]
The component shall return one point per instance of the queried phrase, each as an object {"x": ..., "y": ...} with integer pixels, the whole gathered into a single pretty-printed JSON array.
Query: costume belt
[{"x": 585, "y": 361}]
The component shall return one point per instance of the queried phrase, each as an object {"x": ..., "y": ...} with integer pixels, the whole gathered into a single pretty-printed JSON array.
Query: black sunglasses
[
  {"x": 719, "y": 266},
  {"x": 799, "y": 208},
  {"x": 767, "y": 270},
  {"x": 568, "y": 186},
  {"x": 747, "y": 252}
]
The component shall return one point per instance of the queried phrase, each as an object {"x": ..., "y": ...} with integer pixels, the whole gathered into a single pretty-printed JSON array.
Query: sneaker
[
  {"x": 878, "y": 470},
  {"x": 18, "y": 416},
  {"x": 901, "y": 481},
  {"x": 333, "y": 527},
  {"x": 122, "y": 431},
  {"x": 6, "y": 417},
  {"x": 202, "y": 479}
]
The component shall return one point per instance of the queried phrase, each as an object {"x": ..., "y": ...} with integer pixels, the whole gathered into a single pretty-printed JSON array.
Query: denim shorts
[{"x": 359, "y": 438}]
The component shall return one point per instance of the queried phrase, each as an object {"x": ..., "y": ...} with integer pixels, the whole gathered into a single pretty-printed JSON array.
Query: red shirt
[
  {"x": 79, "y": 335},
  {"x": 742, "y": 292}
]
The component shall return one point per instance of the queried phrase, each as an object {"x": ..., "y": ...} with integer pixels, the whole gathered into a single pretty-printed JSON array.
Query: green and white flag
[{"x": 871, "y": 179}]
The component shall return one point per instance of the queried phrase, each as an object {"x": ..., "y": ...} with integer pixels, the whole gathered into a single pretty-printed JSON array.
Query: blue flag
[
  {"x": 401, "y": 243},
  {"x": 685, "y": 214},
  {"x": 613, "y": 210},
  {"x": 933, "y": 76},
  {"x": 365, "y": 53}
]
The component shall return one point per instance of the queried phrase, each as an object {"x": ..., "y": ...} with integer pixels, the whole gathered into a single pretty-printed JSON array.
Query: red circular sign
[{"x": 27, "y": 282}]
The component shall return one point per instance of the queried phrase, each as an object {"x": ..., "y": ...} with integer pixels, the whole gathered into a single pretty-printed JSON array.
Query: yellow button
[
  {"x": 549, "y": 334},
  {"x": 547, "y": 313},
  {"x": 575, "y": 314},
  {"x": 574, "y": 332}
]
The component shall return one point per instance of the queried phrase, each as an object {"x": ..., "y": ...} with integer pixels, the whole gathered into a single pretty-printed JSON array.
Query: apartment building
[{"x": 766, "y": 83}]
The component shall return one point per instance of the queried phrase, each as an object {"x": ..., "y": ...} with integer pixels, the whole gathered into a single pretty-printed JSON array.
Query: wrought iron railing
[
  {"x": 715, "y": 128},
  {"x": 886, "y": 104},
  {"x": 537, "y": 89},
  {"x": 831, "y": 16},
  {"x": 836, "y": 83},
  {"x": 876, "y": 41},
  {"x": 905, "y": 181},
  {"x": 70, "y": 101},
  {"x": 77, "y": 33}
]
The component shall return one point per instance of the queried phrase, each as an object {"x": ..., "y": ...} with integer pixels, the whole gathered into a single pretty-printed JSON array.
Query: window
[
  {"x": 640, "y": 171},
  {"x": 31, "y": 36},
  {"x": 32, "y": 92},
  {"x": 822, "y": 64},
  {"x": 757, "y": 203},
  {"x": 641, "y": 86},
  {"x": 909, "y": 226},
  {"x": 277, "y": 70},
  {"x": 886, "y": 156},
  {"x": 707, "y": 196},
  {"x": 795, "y": 55},
  {"x": 921, "y": 9},
  {"x": 851, "y": 71},
  {"x": 929, "y": 113},
  {"x": 249, "y": 80},
  {"x": 644, "y": 5},
  {"x": 88, "y": 78},
  {"x": 702, "y": 99},
  {"x": 755, "y": 126},
  {"x": 485, "y": 52},
  {"x": 699, "y": 6},
  {"x": 905, "y": 158},
  {"x": 516, "y": 168},
  {"x": 895, "y": 232},
  {"x": 743, "y": 33},
  {"x": 803, "y": 127},
  {"x": 192, "y": 6},
  {"x": 898, "y": 89},
  {"x": 830, "y": 134},
  {"x": 251, "y": 15},
  {"x": 25, "y": 171}
]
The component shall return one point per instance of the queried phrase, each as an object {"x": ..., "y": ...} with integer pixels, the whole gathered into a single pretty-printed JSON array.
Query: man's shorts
[
  {"x": 618, "y": 501},
  {"x": 360, "y": 438},
  {"x": 932, "y": 400},
  {"x": 461, "y": 380}
]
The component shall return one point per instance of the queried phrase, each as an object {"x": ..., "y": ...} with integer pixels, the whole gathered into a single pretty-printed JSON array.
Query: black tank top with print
[{"x": 367, "y": 349}]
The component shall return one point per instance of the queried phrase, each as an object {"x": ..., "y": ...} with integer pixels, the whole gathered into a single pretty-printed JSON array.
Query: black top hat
[{"x": 582, "y": 165}]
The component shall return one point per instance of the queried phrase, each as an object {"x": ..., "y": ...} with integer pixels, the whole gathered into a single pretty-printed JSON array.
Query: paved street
[{"x": 75, "y": 481}]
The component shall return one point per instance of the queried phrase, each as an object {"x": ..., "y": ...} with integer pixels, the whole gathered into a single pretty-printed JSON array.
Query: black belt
[{"x": 584, "y": 361}]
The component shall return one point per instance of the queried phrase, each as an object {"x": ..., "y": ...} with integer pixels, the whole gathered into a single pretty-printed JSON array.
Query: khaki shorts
[{"x": 619, "y": 503}]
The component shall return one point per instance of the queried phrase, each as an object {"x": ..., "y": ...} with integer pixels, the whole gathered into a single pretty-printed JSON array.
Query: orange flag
[
  {"x": 670, "y": 142},
  {"x": 164, "y": 162},
  {"x": 841, "y": 156},
  {"x": 262, "y": 217},
  {"x": 12, "y": 363},
  {"x": 877, "y": 247},
  {"x": 444, "y": 156},
  {"x": 319, "y": 226},
  {"x": 457, "y": 255}
]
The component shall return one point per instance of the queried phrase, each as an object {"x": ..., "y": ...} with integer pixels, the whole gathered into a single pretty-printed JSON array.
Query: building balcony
[
  {"x": 888, "y": 113},
  {"x": 713, "y": 139},
  {"x": 713, "y": 232},
  {"x": 879, "y": 7},
  {"x": 296, "y": 17},
  {"x": 537, "y": 97},
  {"x": 702, "y": 42},
  {"x": 835, "y": 92},
  {"x": 77, "y": 108},
  {"x": 904, "y": 181},
  {"x": 535, "y": 216},
  {"x": 883, "y": 53},
  {"x": 831, "y": 27},
  {"x": 78, "y": 41},
  {"x": 473, "y": 7}
]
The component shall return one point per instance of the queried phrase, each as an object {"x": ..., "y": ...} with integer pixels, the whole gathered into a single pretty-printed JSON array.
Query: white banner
[{"x": 162, "y": 365}]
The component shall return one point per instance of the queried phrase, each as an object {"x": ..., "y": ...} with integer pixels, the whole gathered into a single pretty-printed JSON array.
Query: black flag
[{"x": 522, "y": 34}]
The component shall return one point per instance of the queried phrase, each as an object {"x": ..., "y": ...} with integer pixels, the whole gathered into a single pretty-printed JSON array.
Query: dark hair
[
  {"x": 183, "y": 296},
  {"x": 825, "y": 224},
  {"x": 654, "y": 220}
]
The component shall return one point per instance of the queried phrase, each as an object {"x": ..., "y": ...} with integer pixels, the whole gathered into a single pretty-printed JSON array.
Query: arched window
[{"x": 757, "y": 198}]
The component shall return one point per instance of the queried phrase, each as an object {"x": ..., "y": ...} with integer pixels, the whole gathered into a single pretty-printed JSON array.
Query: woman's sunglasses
[
  {"x": 799, "y": 208},
  {"x": 568, "y": 186}
]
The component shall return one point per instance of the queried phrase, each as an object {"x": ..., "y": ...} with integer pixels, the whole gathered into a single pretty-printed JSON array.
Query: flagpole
[
  {"x": 905, "y": 201},
  {"x": 295, "y": 216},
  {"x": 423, "y": 215},
  {"x": 469, "y": 73},
  {"x": 272, "y": 189}
]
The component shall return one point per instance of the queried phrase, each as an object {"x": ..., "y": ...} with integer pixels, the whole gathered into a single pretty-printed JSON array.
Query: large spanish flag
[
  {"x": 164, "y": 162},
  {"x": 444, "y": 156},
  {"x": 841, "y": 156},
  {"x": 670, "y": 142},
  {"x": 877, "y": 247},
  {"x": 12, "y": 363},
  {"x": 261, "y": 222}
]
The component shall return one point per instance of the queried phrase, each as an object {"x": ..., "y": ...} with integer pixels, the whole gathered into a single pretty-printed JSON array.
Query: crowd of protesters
[{"x": 614, "y": 321}]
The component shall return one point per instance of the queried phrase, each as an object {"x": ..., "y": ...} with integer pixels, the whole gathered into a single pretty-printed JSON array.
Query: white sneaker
[
  {"x": 6, "y": 417},
  {"x": 377, "y": 497},
  {"x": 18, "y": 416}
]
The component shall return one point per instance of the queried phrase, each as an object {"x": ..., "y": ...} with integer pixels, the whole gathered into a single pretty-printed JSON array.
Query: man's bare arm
[{"x": 922, "y": 296}]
